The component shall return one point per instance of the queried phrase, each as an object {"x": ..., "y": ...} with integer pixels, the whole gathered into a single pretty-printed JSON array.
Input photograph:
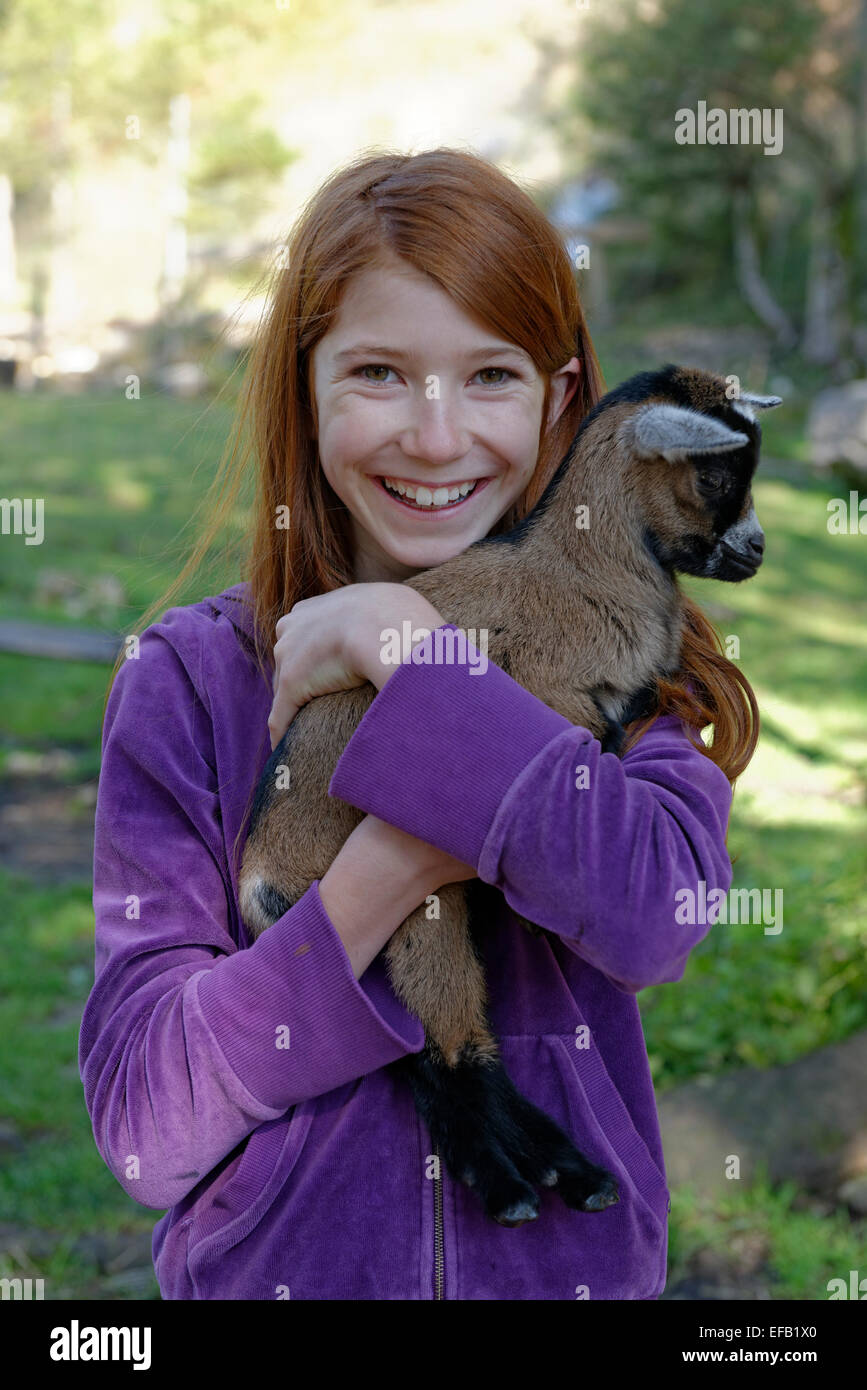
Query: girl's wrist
[
  {"x": 413, "y": 861},
  {"x": 373, "y": 648},
  {"x": 377, "y": 879}
]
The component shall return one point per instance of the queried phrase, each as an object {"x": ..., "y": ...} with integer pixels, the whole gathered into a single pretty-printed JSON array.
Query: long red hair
[{"x": 458, "y": 219}]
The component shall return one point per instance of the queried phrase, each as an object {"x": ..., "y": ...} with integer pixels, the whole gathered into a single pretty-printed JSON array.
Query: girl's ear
[{"x": 564, "y": 384}]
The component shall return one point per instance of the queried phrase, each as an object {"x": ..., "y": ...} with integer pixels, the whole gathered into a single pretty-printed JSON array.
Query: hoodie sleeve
[
  {"x": 603, "y": 851},
  {"x": 188, "y": 1043}
]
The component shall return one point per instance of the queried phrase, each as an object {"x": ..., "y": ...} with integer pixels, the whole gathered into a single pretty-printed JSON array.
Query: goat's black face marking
[
  {"x": 725, "y": 541},
  {"x": 708, "y": 527},
  {"x": 736, "y": 548},
  {"x": 734, "y": 553}
]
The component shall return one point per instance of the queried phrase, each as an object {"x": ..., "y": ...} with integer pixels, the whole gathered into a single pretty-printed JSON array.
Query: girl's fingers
[{"x": 283, "y": 711}]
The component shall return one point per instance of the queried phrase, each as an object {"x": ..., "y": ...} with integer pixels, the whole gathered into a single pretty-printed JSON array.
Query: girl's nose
[{"x": 436, "y": 432}]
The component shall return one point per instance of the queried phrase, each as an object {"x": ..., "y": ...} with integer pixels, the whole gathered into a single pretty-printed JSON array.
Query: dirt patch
[
  {"x": 805, "y": 1121},
  {"x": 46, "y": 829},
  {"x": 110, "y": 1265}
]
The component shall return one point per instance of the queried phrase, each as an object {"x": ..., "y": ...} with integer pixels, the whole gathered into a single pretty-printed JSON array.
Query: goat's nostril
[{"x": 758, "y": 545}]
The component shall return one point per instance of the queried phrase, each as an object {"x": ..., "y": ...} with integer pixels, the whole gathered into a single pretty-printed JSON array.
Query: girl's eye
[
  {"x": 503, "y": 371},
  {"x": 374, "y": 367},
  {"x": 377, "y": 372}
]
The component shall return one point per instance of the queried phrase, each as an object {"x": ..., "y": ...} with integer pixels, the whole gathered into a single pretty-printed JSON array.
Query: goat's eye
[{"x": 713, "y": 479}]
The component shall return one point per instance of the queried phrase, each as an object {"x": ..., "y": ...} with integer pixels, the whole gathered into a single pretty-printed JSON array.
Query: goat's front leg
[{"x": 490, "y": 1136}]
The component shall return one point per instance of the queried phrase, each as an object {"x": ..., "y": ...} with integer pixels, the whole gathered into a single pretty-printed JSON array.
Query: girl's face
[{"x": 411, "y": 390}]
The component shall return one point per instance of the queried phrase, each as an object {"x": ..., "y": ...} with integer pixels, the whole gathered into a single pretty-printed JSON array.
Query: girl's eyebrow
[{"x": 380, "y": 350}]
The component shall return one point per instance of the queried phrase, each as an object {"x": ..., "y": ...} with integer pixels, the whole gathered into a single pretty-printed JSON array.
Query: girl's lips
[{"x": 432, "y": 511}]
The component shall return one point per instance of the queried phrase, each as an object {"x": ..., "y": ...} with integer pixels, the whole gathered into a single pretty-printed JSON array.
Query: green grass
[
  {"x": 55, "y": 1182},
  {"x": 799, "y": 818},
  {"x": 121, "y": 481},
  {"x": 760, "y": 1226}
]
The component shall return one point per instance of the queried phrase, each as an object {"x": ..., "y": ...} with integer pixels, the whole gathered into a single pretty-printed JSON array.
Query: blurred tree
[
  {"x": 789, "y": 229},
  {"x": 74, "y": 77}
]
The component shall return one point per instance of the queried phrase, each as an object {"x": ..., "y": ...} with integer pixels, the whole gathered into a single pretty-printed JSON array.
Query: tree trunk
[
  {"x": 175, "y": 259},
  {"x": 859, "y": 257},
  {"x": 750, "y": 280},
  {"x": 821, "y": 340}
]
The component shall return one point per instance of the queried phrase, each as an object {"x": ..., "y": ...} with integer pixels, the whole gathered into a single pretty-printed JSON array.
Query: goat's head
[{"x": 694, "y": 451}]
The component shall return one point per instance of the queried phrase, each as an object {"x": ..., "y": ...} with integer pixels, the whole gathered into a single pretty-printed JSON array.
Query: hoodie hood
[{"x": 236, "y": 603}]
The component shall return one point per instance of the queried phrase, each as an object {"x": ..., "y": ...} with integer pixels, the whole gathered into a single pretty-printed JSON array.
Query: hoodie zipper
[{"x": 439, "y": 1250}]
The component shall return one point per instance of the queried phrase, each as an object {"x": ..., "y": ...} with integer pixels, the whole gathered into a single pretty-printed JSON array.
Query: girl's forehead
[
  {"x": 382, "y": 323},
  {"x": 382, "y": 292},
  {"x": 397, "y": 307}
]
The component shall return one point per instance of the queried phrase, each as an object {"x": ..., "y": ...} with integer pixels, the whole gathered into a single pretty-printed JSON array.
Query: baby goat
[{"x": 586, "y": 619}]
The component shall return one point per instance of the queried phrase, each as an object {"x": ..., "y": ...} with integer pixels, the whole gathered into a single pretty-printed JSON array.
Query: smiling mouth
[{"x": 443, "y": 498}]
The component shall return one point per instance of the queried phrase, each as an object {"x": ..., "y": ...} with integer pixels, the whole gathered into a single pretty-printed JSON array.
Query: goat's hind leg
[
  {"x": 500, "y": 1144},
  {"x": 436, "y": 973},
  {"x": 489, "y": 1135}
]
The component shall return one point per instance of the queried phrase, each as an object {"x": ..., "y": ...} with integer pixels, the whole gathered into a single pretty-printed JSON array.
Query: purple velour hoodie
[{"x": 303, "y": 1170}]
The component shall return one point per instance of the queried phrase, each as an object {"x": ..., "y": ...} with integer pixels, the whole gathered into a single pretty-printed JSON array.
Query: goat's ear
[
  {"x": 676, "y": 432},
  {"x": 763, "y": 402},
  {"x": 745, "y": 402}
]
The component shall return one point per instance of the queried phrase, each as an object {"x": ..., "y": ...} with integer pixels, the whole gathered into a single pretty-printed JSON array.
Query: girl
[{"x": 424, "y": 366}]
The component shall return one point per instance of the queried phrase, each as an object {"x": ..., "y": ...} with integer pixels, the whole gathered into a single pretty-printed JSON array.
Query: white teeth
[{"x": 425, "y": 496}]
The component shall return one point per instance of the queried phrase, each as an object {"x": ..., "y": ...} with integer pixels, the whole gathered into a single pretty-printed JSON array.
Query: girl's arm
[
  {"x": 187, "y": 1043},
  {"x": 596, "y": 856},
  {"x": 379, "y": 876}
]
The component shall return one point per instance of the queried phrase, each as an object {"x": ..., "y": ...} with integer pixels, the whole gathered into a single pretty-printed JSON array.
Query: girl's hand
[{"x": 332, "y": 642}]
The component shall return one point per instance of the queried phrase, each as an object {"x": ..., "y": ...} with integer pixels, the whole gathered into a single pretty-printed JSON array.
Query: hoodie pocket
[
  {"x": 236, "y": 1207},
  {"x": 602, "y": 1109},
  {"x": 573, "y": 1086}
]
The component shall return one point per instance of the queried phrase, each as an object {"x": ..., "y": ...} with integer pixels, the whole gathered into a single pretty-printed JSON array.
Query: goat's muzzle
[{"x": 738, "y": 552}]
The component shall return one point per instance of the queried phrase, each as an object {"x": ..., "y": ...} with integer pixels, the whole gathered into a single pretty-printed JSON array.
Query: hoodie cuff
[
  {"x": 441, "y": 744},
  {"x": 291, "y": 1018}
]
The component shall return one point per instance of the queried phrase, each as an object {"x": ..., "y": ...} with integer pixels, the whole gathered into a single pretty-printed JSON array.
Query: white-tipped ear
[
  {"x": 744, "y": 403},
  {"x": 675, "y": 432},
  {"x": 763, "y": 402}
]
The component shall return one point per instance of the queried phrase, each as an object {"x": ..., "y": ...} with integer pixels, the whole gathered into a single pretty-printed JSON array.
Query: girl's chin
[
  {"x": 415, "y": 553},
  {"x": 421, "y": 554}
]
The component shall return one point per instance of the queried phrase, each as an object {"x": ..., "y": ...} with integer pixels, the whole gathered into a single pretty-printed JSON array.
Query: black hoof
[
  {"x": 518, "y": 1214},
  {"x": 594, "y": 1194},
  {"x": 496, "y": 1142},
  {"x": 582, "y": 1185}
]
